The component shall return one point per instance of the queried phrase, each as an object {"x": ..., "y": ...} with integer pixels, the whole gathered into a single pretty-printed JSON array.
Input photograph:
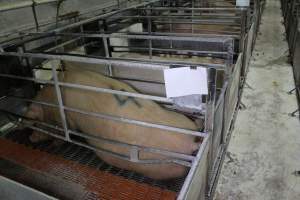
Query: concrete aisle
[{"x": 265, "y": 147}]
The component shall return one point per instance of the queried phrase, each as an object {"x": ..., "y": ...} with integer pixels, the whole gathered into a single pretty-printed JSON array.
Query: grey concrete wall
[{"x": 13, "y": 21}]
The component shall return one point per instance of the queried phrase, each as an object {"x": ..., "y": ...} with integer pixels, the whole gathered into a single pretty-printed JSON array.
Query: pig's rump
[
  {"x": 121, "y": 106},
  {"x": 143, "y": 110}
]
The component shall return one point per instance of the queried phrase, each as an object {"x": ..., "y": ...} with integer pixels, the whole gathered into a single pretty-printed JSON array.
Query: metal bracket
[
  {"x": 294, "y": 114},
  {"x": 296, "y": 173},
  {"x": 248, "y": 86},
  {"x": 134, "y": 154},
  {"x": 35, "y": 15},
  {"x": 242, "y": 106},
  {"x": 291, "y": 91}
]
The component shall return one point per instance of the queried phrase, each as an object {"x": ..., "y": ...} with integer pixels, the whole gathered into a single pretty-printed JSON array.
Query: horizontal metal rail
[
  {"x": 138, "y": 147},
  {"x": 120, "y": 119},
  {"x": 139, "y": 123},
  {"x": 94, "y": 89},
  {"x": 179, "y": 51},
  {"x": 196, "y": 22},
  {"x": 133, "y": 35},
  {"x": 178, "y": 158},
  {"x": 133, "y": 63},
  {"x": 142, "y": 36},
  {"x": 110, "y": 153},
  {"x": 193, "y": 9},
  {"x": 180, "y": 17},
  {"x": 117, "y": 92},
  {"x": 214, "y": 35},
  {"x": 153, "y": 150},
  {"x": 63, "y": 44}
]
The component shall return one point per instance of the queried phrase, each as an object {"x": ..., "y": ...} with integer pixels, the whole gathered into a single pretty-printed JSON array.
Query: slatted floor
[{"x": 68, "y": 171}]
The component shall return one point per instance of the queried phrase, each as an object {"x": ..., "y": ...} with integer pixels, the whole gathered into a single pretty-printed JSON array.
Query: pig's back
[{"x": 143, "y": 110}]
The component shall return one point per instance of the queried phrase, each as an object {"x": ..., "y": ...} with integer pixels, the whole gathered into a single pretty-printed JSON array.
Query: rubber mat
[{"x": 67, "y": 179}]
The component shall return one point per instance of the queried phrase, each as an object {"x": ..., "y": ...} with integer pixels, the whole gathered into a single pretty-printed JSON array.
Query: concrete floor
[{"x": 265, "y": 147}]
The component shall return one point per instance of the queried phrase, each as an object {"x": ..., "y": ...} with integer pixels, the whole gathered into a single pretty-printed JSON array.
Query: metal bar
[
  {"x": 209, "y": 38},
  {"x": 60, "y": 103},
  {"x": 154, "y": 35},
  {"x": 120, "y": 156},
  {"x": 121, "y": 119},
  {"x": 197, "y": 22},
  {"x": 209, "y": 119},
  {"x": 153, "y": 150},
  {"x": 192, "y": 171},
  {"x": 117, "y": 92},
  {"x": 95, "y": 89},
  {"x": 150, "y": 41},
  {"x": 178, "y": 17},
  {"x": 105, "y": 47},
  {"x": 235, "y": 36},
  {"x": 35, "y": 15},
  {"x": 189, "y": 9},
  {"x": 294, "y": 114},
  {"x": 139, "y": 123},
  {"x": 135, "y": 95},
  {"x": 222, "y": 94},
  {"x": 57, "y": 12},
  {"x": 134, "y": 63},
  {"x": 62, "y": 44},
  {"x": 175, "y": 50},
  {"x": 30, "y": 122},
  {"x": 139, "y": 148}
]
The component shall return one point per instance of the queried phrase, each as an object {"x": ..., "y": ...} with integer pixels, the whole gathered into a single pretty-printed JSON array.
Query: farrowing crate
[
  {"x": 290, "y": 10},
  {"x": 220, "y": 106}
]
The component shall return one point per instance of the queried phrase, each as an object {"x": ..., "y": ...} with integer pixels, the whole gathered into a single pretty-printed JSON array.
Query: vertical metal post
[
  {"x": 118, "y": 4},
  {"x": 57, "y": 11},
  {"x": 60, "y": 103},
  {"x": 25, "y": 62},
  {"x": 209, "y": 120},
  {"x": 106, "y": 44},
  {"x": 35, "y": 15},
  {"x": 171, "y": 27},
  {"x": 105, "y": 47},
  {"x": 105, "y": 29},
  {"x": 243, "y": 27},
  {"x": 82, "y": 38},
  {"x": 150, "y": 40},
  {"x": 193, "y": 4},
  {"x": 229, "y": 48}
]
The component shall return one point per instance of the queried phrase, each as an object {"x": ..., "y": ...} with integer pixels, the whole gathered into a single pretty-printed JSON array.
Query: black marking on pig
[{"x": 123, "y": 100}]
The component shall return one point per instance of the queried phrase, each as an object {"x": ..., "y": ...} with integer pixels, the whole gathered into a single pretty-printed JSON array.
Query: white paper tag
[
  {"x": 185, "y": 81},
  {"x": 242, "y": 3}
]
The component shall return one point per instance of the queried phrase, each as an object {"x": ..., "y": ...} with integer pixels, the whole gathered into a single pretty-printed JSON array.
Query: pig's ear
[{"x": 35, "y": 112}]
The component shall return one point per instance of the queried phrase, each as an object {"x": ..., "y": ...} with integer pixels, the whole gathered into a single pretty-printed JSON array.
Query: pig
[{"x": 127, "y": 107}]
